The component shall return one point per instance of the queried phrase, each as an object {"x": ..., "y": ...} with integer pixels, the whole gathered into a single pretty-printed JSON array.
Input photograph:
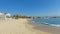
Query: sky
[{"x": 31, "y": 7}]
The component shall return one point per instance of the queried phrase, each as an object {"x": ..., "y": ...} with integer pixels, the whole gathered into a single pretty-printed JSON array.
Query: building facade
[{"x": 4, "y": 16}]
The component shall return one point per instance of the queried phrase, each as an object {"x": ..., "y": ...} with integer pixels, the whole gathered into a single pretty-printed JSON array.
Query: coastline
[
  {"x": 18, "y": 26},
  {"x": 31, "y": 27},
  {"x": 46, "y": 28}
]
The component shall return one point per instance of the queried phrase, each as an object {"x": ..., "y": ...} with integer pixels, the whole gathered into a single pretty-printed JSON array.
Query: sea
[{"x": 48, "y": 21}]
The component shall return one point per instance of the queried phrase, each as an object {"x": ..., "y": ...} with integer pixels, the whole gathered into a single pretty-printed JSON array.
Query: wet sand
[
  {"x": 46, "y": 28},
  {"x": 18, "y": 26}
]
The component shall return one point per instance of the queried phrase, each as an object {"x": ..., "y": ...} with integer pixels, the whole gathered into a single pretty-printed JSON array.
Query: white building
[{"x": 4, "y": 16}]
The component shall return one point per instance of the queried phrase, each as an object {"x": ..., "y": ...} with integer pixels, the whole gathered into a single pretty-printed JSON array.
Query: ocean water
[{"x": 50, "y": 21}]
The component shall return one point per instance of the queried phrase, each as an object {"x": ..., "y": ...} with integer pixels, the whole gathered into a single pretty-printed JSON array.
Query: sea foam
[{"x": 56, "y": 25}]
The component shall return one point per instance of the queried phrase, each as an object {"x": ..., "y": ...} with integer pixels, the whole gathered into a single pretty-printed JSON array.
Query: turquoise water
[{"x": 51, "y": 21}]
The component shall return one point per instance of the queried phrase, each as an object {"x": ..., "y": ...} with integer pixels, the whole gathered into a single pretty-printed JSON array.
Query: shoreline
[
  {"x": 18, "y": 26},
  {"x": 29, "y": 26},
  {"x": 46, "y": 28}
]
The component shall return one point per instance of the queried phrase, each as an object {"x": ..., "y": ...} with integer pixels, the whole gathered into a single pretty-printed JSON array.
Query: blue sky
[{"x": 31, "y": 7}]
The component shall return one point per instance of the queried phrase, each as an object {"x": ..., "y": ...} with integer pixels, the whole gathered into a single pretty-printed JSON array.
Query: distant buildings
[{"x": 4, "y": 16}]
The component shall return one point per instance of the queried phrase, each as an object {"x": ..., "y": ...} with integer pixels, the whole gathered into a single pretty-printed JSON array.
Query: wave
[
  {"x": 45, "y": 23},
  {"x": 54, "y": 25}
]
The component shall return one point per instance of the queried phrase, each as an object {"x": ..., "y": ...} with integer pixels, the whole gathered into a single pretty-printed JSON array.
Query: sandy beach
[
  {"x": 19, "y": 26},
  {"x": 45, "y": 28}
]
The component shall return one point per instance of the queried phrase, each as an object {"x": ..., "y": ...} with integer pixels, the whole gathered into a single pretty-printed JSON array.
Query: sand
[
  {"x": 45, "y": 28},
  {"x": 18, "y": 26}
]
